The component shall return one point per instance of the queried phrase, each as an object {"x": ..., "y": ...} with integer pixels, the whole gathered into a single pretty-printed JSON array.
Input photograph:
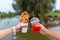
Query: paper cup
[{"x": 24, "y": 27}]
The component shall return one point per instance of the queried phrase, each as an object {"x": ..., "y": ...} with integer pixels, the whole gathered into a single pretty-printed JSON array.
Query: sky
[
  {"x": 57, "y": 5},
  {"x": 6, "y": 5}
]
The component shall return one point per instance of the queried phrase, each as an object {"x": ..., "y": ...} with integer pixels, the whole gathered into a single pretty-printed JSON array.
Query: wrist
[
  {"x": 44, "y": 32},
  {"x": 17, "y": 28},
  {"x": 47, "y": 32},
  {"x": 14, "y": 32}
]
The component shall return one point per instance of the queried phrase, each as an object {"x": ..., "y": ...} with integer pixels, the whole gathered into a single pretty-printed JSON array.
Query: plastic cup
[
  {"x": 35, "y": 21},
  {"x": 36, "y": 28}
]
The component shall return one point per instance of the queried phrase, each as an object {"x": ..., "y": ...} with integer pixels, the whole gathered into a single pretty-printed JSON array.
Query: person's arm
[
  {"x": 53, "y": 34},
  {"x": 5, "y": 32}
]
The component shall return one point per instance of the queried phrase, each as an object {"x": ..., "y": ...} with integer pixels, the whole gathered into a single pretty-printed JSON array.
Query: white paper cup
[{"x": 24, "y": 27}]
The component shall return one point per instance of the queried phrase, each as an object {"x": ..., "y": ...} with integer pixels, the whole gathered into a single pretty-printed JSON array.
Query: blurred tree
[{"x": 34, "y": 7}]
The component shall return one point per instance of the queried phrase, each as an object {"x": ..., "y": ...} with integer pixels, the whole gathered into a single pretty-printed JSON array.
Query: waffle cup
[{"x": 24, "y": 19}]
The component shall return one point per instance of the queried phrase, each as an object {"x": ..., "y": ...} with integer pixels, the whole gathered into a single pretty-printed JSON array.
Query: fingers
[
  {"x": 41, "y": 25},
  {"x": 24, "y": 24}
]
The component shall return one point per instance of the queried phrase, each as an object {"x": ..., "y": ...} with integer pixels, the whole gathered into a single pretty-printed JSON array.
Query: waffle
[{"x": 24, "y": 17}]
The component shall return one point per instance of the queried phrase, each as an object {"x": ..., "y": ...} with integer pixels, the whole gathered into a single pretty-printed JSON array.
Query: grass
[
  {"x": 31, "y": 36},
  {"x": 53, "y": 14}
]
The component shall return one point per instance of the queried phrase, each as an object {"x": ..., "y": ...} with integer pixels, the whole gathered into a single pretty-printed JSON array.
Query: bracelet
[{"x": 14, "y": 32}]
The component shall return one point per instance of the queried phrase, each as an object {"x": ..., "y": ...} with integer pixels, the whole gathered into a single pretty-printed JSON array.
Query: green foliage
[
  {"x": 8, "y": 15},
  {"x": 36, "y": 6}
]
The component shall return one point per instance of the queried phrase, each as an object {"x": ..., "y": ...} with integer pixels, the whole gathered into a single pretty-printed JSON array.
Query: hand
[
  {"x": 19, "y": 26},
  {"x": 43, "y": 29}
]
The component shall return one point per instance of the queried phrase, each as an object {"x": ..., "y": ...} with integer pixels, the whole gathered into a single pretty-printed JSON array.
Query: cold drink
[{"x": 36, "y": 28}]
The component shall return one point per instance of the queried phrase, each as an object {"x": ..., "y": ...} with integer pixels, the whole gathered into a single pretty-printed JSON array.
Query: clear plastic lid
[{"x": 34, "y": 20}]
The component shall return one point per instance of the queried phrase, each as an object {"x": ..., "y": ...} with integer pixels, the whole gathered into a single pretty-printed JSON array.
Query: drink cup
[
  {"x": 35, "y": 21},
  {"x": 36, "y": 28},
  {"x": 24, "y": 27}
]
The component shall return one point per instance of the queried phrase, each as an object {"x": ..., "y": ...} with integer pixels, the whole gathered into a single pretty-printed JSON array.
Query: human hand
[
  {"x": 43, "y": 29},
  {"x": 19, "y": 26}
]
